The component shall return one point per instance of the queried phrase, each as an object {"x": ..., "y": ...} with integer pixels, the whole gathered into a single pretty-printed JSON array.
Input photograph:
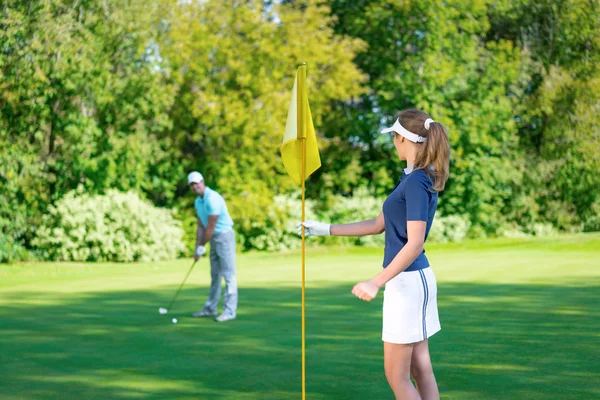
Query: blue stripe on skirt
[{"x": 425, "y": 300}]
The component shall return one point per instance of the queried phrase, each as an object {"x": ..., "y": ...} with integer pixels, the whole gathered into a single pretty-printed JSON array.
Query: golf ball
[
  {"x": 162, "y": 310},
  {"x": 174, "y": 320}
]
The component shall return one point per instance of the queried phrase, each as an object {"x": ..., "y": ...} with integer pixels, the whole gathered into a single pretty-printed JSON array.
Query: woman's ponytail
[{"x": 433, "y": 155}]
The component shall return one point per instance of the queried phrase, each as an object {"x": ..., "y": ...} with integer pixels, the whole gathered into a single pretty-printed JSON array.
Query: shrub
[
  {"x": 592, "y": 224},
  {"x": 452, "y": 228},
  {"x": 533, "y": 229},
  {"x": 277, "y": 231},
  {"x": 12, "y": 252},
  {"x": 436, "y": 233},
  {"x": 541, "y": 229},
  {"x": 189, "y": 223},
  {"x": 364, "y": 206},
  {"x": 361, "y": 206},
  {"x": 112, "y": 227},
  {"x": 513, "y": 232}
]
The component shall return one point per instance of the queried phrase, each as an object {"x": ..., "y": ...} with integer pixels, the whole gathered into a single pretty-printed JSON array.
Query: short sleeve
[
  {"x": 214, "y": 205},
  {"x": 417, "y": 197}
]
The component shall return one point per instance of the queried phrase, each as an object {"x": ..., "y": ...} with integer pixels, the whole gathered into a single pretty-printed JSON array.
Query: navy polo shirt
[{"x": 413, "y": 199}]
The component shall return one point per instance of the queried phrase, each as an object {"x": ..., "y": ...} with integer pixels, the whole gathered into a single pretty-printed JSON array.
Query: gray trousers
[{"x": 222, "y": 265}]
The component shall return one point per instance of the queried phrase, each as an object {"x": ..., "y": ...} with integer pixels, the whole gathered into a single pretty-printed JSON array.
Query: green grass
[{"x": 520, "y": 320}]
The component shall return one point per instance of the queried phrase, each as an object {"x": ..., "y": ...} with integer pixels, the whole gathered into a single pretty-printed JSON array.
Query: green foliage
[
  {"x": 278, "y": 230},
  {"x": 361, "y": 206},
  {"x": 233, "y": 74},
  {"x": 131, "y": 96},
  {"x": 560, "y": 120},
  {"x": 12, "y": 252},
  {"x": 556, "y": 32},
  {"x": 448, "y": 229},
  {"x": 514, "y": 81},
  {"x": 541, "y": 229},
  {"x": 81, "y": 102},
  {"x": 567, "y": 146},
  {"x": 189, "y": 224},
  {"x": 438, "y": 62},
  {"x": 112, "y": 227},
  {"x": 108, "y": 95},
  {"x": 592, "y": 224}
]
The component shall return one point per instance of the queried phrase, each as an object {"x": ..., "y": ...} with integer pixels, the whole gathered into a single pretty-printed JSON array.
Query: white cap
[
  {"x": 402, "y": 131},
  {"x": 195, "y": 177}
]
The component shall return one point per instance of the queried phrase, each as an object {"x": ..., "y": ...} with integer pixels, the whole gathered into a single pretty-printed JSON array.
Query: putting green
[{"x": 520, "y": 320}]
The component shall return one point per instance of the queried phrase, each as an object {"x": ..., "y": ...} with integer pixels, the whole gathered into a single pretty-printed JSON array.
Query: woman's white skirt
[{"x": 410, "y": 312}]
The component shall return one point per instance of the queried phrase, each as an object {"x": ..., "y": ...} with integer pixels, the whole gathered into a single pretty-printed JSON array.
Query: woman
[{"x": 410, "y": 314}]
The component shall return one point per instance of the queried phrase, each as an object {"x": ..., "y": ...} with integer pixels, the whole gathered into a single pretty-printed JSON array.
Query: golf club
[{"x": 163, "y": 310}]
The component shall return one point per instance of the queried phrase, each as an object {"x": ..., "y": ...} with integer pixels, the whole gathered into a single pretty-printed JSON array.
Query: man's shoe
[
  {"x": 204, "y": 313},
  {"x": 225, "y": 317}
]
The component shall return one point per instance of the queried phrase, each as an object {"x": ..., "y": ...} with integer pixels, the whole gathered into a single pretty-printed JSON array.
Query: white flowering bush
[
  {"x": 115, "y": 226},
  {"x": 452, "y": 228},
  {"x": 278, "y": 230},
  {"x": 361, "y": 206},
  {"x": 526, "y": 231}
]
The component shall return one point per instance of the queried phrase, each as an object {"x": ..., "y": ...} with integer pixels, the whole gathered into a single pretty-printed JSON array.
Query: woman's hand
[
  {"x": 365, "y": 290},
  {"x": 314, "y": 228}
]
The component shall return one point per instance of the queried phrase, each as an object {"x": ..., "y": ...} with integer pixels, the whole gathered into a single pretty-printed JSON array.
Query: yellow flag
[{"x": 298, "y": 125}]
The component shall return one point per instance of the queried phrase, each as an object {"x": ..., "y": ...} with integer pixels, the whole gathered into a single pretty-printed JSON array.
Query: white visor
[{"x": 402, "y": 131}]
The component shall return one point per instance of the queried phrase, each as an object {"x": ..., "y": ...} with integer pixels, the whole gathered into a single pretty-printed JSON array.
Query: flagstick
[
  {"x": 302, "y": 135},
  {"x": 303, "y": 273}
]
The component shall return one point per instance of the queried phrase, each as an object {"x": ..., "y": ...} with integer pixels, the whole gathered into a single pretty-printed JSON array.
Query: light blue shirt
[{"x": 213, "y": 204}]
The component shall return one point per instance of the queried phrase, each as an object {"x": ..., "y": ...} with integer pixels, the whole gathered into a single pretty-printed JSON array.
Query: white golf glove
[
  {"x": 200, "y": 251},
  {"x": 314, "y": 228}
]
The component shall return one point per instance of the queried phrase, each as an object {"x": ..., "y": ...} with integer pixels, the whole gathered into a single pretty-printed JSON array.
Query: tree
[
  {"x": 560, "y": 125},
  {"x": 432, "y": 55},
  {"x": 233, "y": 64},
  {"x": 81, "y": 103}
]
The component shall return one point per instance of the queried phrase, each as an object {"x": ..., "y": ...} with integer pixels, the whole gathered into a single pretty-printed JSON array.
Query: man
[{"x": 215, "y": 226}]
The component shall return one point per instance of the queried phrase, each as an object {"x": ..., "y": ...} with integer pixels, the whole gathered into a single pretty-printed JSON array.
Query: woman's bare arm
[{"x": 363, "y": 228}]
